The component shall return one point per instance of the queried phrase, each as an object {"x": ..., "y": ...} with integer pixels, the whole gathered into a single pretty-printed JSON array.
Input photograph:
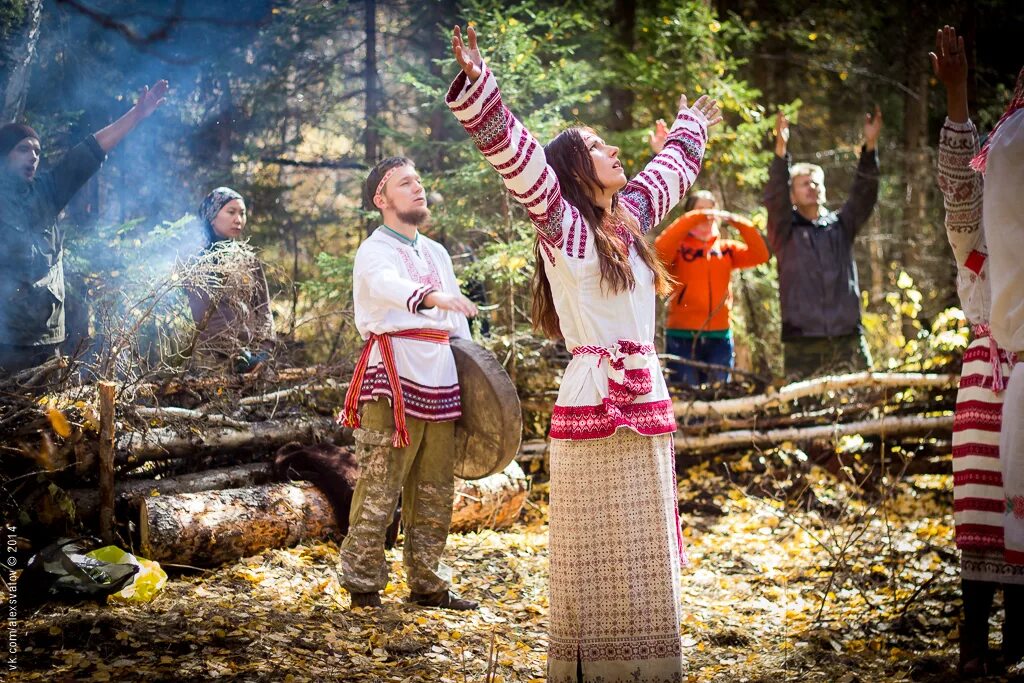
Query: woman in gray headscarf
[{"x": 231, "y": 309}]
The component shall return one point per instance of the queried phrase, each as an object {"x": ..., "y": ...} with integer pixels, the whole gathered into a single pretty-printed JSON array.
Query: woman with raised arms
[{"x": 614, "y": 539}]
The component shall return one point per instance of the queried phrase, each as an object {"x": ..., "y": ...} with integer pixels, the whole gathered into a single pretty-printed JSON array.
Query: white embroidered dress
[
  {"x": 390, "y": 280},
  {"x": 614, "y": 379}
]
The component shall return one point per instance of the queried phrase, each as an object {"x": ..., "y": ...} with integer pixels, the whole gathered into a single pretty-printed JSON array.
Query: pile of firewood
[{"x": 179, "y": 469}]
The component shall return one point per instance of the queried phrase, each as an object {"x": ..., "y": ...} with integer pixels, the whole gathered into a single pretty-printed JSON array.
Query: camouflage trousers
[
  {"x": 807, "y": 357},
  {"x": 422, "y": 473}
]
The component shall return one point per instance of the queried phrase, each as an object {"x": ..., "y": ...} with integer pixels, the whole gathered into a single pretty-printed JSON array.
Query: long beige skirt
[{"x": 615, "y": 555}]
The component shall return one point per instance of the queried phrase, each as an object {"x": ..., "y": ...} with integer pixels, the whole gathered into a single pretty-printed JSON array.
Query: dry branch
[
  {"x": 814, "y": 387},
  {"x": 168, "y": 413},
  {"x": 887, "y": 426}
]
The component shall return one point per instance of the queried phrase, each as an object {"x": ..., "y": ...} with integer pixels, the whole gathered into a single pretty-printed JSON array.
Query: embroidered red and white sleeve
[
  {"x": 655, "y": 190},
  {"x": 961, "y": 189},
  {"x": 376, "y": 275},
  {"x": 515, "y": 155}
]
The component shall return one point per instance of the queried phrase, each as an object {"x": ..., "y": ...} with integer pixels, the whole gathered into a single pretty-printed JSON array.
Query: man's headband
[{"x": 378, "y": 193}]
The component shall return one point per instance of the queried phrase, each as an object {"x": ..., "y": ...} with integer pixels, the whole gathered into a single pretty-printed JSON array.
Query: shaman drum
[{"x": 487, "y": 435}]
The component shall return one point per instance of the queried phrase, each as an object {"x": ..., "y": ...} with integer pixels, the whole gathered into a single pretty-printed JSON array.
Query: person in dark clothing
[
  {"x": 235, "y": 321},
  {"x": 818, "y": 287},
  {"x": 31, "y": 262}
]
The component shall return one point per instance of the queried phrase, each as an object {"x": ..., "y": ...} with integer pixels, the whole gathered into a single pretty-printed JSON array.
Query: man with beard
[
  {"x": 407, "y": 305},
  {"x": 32, "y": 266}
]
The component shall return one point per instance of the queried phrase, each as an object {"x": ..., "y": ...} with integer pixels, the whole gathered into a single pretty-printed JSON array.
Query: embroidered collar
[{"x": 414, "y": 242}]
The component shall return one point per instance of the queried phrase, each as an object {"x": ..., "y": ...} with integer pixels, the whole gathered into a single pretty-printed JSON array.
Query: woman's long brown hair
[{"x": 569, "y": 157}]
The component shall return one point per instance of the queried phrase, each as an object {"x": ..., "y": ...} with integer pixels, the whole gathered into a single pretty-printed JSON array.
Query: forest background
[{"x": 291, "y": 102}]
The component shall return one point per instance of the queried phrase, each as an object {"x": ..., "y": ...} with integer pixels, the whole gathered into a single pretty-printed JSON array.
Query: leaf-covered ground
[{"x": 787, "y": 582}]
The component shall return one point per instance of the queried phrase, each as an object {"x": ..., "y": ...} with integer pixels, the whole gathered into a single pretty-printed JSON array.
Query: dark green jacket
[
  {"x": 31, "y": 247},
  {"x": 818, "y": 288}
]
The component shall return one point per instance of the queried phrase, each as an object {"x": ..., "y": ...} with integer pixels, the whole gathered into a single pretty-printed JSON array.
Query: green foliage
[
  {"x": 12, "y": 13},
  {"x": 901, "y": 341}
]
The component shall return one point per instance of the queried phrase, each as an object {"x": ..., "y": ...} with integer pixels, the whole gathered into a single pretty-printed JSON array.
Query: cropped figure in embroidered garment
[
  {"x": 980, "y": 502},
  {"x": 227, "y": 289},
  {"x": 701, "y": 262},
  {"x": 614, "y": 540},
  {"x": 32, "y": 321},
  {"x": 404, "y": 397},
  {"x": 819, "y": 293}
]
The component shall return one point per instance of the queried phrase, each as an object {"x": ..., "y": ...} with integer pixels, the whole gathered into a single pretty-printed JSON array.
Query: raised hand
[
  {"x": 949, "y": 61},
  {"x": 707, "y": 107},
  {"x": 657, "y": 137},
  {"x": 468, "y": 57},
  {"x": 781, "y": 134},
  {"x": 151, "y": 98},
  {"x": 872, "y": 128}
]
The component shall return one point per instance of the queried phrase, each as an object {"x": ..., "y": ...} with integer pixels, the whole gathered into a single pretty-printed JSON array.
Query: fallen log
[
  {"x": 814, "y": 387},
  {"x": 493, "y": 502},
  {"x": 886, "y": 426},
  {"x": 207, "y": 528},
  {"x": 213, "y": 527},
  {"x": 164, "y": 442},
  {"x": 128, "y": 492}
]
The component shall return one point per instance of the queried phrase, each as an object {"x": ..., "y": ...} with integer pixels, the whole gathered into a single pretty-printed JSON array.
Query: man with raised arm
[
  {"x": 31, "y": 263},
  {"x": 407, "y": 305},
  {"x": 818, "y": 287}
]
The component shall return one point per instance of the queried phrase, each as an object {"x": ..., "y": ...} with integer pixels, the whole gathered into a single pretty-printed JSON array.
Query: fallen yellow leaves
[{"x": 763, "y": 594}]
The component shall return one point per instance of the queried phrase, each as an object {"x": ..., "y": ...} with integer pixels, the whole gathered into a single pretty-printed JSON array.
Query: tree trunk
[
  {"x": 17, "y": 47},
  {"x": 620, "y": 97},
  {"x": 371, "y": 83},
  {"x": 493, "y": 502},
  {"x": 211, "y": 528},
  {"x": 917, "y": 164}
]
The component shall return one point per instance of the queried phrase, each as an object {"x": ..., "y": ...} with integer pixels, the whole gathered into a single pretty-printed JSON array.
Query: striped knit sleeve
[
  {"x": 516, "y": 156},
  {"x": 655, "y": 190},
  {"x": 961, "y": 191}
]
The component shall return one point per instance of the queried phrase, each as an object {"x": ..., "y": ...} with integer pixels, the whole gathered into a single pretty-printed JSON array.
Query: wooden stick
[{"x": 106, "y": 460}]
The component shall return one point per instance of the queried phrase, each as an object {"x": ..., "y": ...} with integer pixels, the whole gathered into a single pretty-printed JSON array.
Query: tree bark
[
  {"x": 106, "y": 460},
  {"x": 17, "y": 48},
  {"x": 211, "y": 528},
  {"x": 371, "y": 84},
  {"x": 165, "y": 443},
  {"x": 620, "y": 97},
  {"x": 208, "y": 528},
  {"x": 128, "y": 492},
  {"x": 493, "y": 502}
]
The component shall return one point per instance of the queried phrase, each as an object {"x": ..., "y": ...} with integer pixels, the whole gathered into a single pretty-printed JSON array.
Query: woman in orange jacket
[{"x": 701, "y": 262}]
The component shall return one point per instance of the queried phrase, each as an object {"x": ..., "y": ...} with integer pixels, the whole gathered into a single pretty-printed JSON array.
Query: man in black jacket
[
  {"x": 31, "y": 258},
  {"x": 818, "y": 287}
]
